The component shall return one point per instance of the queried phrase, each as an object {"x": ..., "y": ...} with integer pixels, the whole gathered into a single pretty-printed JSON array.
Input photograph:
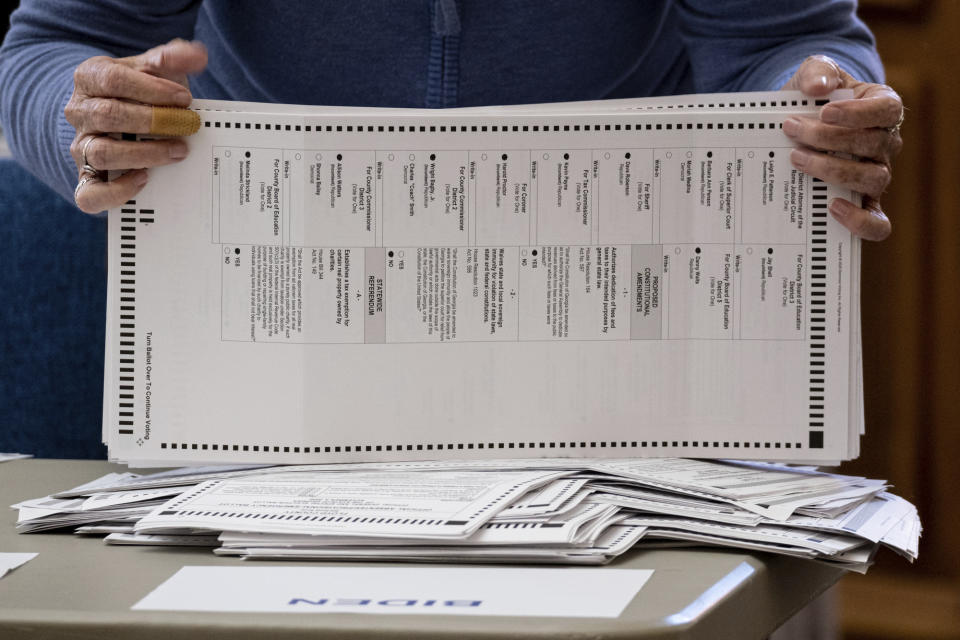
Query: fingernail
[
  {"x": 792, "y": 126},
  {"x": 140, "y": 178},
  {"x": 183, "y": 97},
  {"x": 823, "y": 81},
  {"x": 839, "y": 208},
  {"x": 177, "y": 150},
  {"x": 800, "y": 158},
  {"x": 830, "y": 114}
]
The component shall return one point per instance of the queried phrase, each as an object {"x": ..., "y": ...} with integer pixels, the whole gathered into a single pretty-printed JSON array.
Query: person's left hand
[{"x": 866, "y": 128}]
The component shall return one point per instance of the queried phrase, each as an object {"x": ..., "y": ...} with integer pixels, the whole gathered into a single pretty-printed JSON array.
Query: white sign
[{"x": 564, "y": 592}]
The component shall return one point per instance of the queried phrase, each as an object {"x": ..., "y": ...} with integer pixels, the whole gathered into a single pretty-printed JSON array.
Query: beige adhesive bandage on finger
[{"x": 174, "y": 121}]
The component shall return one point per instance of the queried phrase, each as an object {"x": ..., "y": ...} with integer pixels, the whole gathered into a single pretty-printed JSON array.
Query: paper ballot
[
  {"x": 442, "y": 504},
  {"x": 638, "y": 278},
  {"x": 6, "y": 457},
  {"x": 10, "y": 561}
]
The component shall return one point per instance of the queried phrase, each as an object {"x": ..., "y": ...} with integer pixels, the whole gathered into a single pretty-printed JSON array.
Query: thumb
[
  {"x": 817, "y": 76},
  {"x": 173, "y": 60}
]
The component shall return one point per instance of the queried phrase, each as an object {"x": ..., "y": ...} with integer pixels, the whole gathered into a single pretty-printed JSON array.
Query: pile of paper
[{"x": 584, "y": 511}]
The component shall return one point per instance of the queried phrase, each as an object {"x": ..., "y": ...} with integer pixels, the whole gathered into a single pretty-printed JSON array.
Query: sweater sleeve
[
  {"x": 46, "y": 41},
  {"x": 749, "y": 45}
]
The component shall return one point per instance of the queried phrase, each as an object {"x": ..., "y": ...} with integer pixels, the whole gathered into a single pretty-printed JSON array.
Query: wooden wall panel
[{"x": 911, "y": 331}]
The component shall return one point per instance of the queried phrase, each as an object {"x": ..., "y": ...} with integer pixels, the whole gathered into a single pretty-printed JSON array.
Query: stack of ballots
[{"x": 578, "y": 511}]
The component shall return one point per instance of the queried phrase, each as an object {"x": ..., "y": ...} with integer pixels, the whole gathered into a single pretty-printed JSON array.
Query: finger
[
  {"x": 96, "y": 195},
  {"x": 869, "y": 222},
  {"x": 107, "y": 115},
  {"x": 877, "y": 144},
  {"x": 870, "y": 178},
  {"x": 105, "y": 153},
  {"x": 104, "y": 77},
  {"x": 818, "y": 76},
  {"x": 880, "y": 106},
  {"x": 173, "y": 60}
]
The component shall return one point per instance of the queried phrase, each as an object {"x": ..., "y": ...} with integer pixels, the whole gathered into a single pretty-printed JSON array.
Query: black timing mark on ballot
[
  {"x": 460, "y": 446},
  {"x": 127, "y": 337},
  {"x": 817, "y": 313}
]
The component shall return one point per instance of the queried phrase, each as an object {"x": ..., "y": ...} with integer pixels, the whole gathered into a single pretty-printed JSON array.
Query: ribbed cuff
[{"x": 65, "y": 135}]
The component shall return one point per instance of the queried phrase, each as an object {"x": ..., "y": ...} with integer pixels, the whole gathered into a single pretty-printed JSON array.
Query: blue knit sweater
[{"x": 418, "y": 53}]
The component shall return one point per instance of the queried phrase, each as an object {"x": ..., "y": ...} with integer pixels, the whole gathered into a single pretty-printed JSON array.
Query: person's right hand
[{"x": 114, "y": 95}]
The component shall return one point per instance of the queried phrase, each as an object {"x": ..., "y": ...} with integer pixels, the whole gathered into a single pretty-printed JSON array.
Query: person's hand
[
  {"x": 114, "y": 95},
  {"x": 866, "y": 132}
]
